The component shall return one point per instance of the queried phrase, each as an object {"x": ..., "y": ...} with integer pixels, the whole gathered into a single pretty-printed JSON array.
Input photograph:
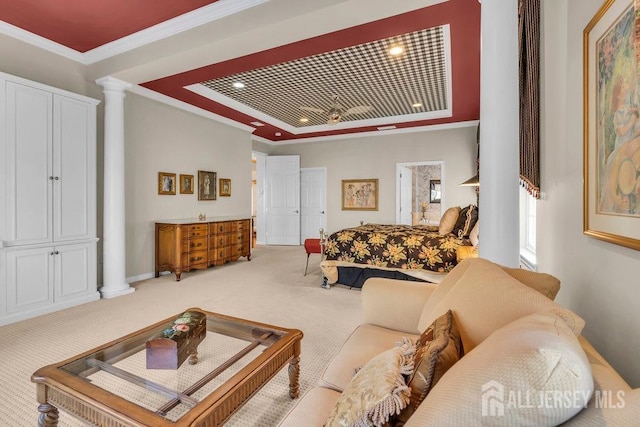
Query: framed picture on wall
[
  {"x": 166, "y": 183},
  {"x": 207, "y": 185},
  {"x": 611, "y": 145},
  {"x": 360, "y": 194},
  {"x": 225, "y": 187},
  {"x": 435, "y": 191},
  {"x": 186, "y": 184}
]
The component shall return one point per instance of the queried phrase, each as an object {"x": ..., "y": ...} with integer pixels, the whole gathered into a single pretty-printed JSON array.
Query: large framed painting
[
  {"x": 611, "y": 164},
  {"x": 207, "y": 185},
  {"x": 360, "y": 194}
]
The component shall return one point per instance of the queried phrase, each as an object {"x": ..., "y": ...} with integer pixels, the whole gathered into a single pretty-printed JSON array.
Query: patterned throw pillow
[
  {"x": 438, "y": 348},
  {"x": 448, "y": 220},
  {"x": 466, "y": 220},
  {"x": 377, "y": 391}
]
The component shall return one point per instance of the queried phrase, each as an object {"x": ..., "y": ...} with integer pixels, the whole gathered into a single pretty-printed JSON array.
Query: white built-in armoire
[{"x": 47, "y": 199}]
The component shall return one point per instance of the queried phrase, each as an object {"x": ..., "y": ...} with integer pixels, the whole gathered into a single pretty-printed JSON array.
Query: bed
[{"x": 396, "y": 251}]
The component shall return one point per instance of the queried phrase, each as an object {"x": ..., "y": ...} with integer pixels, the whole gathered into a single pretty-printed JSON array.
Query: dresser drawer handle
[
  {"x": 195, "y": 245},
  {"x": 196, "y": 259}
]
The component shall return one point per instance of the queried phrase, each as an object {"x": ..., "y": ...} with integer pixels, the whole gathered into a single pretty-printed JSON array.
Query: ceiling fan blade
[
  {"x": 312, "y": 109},
  {"x": 358, "y": 109}
]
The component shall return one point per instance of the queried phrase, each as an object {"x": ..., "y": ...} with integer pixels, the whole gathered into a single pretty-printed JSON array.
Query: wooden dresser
[{"x": 189, "y": 244}]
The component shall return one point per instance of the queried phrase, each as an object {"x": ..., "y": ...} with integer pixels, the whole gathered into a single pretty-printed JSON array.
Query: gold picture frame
[
  {"x": 225, "y": 187},
  {"x": 207, "y": 185},
  {"x": 611, "y": 156},
  {"x": 186, "y": 184},
  {"x": 359, "y": 194},
  {"x": 166, "y": 183}
]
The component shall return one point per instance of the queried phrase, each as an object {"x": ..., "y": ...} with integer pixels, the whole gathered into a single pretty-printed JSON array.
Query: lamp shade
[{"x": 472, "y": 182}]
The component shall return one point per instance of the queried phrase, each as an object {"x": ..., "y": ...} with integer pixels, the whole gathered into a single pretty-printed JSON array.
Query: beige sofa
[{"x": 514, "y": 336}]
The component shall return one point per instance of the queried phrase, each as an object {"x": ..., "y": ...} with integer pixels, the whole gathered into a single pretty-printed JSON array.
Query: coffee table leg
[
  {"x": 294, "y": 377},
  {"x": 48, "y": 415}
]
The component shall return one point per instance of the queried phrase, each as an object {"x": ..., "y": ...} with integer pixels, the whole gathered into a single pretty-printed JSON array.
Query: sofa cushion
[
  {"x": 486, "y": 298},
  {"x": 377, "y": 391},
  {"x": 448, "y": 220},
  {"x": 544, "y": 283},
  {"x": 438, "y": 349},
  {"x": 365, "y": 342},
  {"x": 312, "y": 409},
  {"x": 531, "y": 372}
]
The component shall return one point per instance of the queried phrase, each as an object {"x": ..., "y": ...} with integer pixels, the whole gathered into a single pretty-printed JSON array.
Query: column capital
[{"x": 113, "y": 84}]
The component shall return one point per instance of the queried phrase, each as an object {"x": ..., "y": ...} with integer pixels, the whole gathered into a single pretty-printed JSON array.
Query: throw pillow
[
  {"x": 532, "y": 371},
  {"x": 438, "y": 349},
  {"x": 466, "y": 220},
  {"x": 377, "y": 391},
  {"x": 485, "y": 298},
  {"x": 448, "y": 220},
  {"x": 474, "y": 234}
]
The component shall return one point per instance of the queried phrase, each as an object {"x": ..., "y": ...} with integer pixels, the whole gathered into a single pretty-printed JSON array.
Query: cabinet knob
[
  {"x": 56, "y": 178},
  {"x": 50, "y": 178}
]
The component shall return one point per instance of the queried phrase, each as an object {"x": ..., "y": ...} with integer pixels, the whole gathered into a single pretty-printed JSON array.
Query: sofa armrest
[{"x": 394, "y": 304}]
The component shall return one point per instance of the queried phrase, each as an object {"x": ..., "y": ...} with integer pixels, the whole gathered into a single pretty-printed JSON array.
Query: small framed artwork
[
  {"x": 435, "y": 191},
  {"x": 207, "y": 185},
  {"x": 166, "y": 183},
  {"x": 225, "y": 187},
  {"x": 360, "y": 194},
  {"x": 611, "y": 145},
  {"x": 186, "y": 184}
]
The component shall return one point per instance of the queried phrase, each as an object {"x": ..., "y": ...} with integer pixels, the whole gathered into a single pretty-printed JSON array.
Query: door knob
[
  {"x": 322, "y": 212},
  {"x": 297, "y": 211}
]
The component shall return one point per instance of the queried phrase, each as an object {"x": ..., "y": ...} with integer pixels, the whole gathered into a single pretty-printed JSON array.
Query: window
[{"x": 527, "y": 230}]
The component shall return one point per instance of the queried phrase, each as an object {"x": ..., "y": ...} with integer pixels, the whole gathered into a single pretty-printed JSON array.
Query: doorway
[{"x": 413, "y": 192}]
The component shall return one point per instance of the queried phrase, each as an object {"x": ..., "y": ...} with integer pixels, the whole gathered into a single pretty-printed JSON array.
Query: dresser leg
[{"x": 178, "y": 274}]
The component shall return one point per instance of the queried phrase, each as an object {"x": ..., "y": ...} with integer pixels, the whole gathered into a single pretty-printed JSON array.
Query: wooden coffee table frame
[{"x": 56, "y": 388}]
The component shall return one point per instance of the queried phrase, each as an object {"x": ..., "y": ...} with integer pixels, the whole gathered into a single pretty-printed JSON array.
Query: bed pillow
[
  {"x": 466, "y": 220},
  {"x": 438, "y": 349},
  {"x": 448, "y": 220},
  {"x": 474, "y": 234},
  {"x": 377, "y": 391},
  {"x": 532, "y": 371}
]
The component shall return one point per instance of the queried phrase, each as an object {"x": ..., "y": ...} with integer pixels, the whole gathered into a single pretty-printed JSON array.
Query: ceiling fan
[{"x": 336, "y": 112}]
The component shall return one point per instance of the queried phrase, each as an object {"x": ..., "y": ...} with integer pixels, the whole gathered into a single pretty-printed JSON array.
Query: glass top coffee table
[{"x": 111, "y": 385}]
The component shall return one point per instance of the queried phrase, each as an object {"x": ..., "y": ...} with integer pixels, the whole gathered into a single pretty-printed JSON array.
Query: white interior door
[
  {"x": 405, "y": 194},
  {"x": 282, "y": 200},
  {"x": 313, "y": 201}
]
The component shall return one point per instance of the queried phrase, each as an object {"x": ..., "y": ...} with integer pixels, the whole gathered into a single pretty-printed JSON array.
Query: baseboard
[{"x": 145, "y": 276}]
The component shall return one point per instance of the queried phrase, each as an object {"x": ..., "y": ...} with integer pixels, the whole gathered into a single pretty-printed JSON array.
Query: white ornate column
[
  {"x": 114, "y": 281},
  {"x": 499, "y": 133}
]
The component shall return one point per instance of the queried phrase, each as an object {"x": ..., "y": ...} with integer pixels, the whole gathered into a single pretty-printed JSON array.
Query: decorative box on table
[{"x": 177, "y": 342}]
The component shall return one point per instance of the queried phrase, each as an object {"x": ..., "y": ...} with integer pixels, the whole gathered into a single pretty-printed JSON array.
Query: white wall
[
  {"x": 160, "y": 138},
  {"x": 376, "y": 157},
  {"x": 600, "y": 281}
]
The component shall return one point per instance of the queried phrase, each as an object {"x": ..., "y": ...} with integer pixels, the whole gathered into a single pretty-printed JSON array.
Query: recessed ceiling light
[
  {"x": 417, "y": 104},
  {"x": 304, "y": 119},
  {"x": 386, "y": 127},
  {"x": 278, "y": 134},
  {"x": 396, "y": 50},
  {"x": 257, "y": 124},
  {"x": 238, "y": 85}
]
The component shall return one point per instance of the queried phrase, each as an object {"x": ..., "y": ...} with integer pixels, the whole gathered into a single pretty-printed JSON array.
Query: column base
[{"x": 113, "y": 293}]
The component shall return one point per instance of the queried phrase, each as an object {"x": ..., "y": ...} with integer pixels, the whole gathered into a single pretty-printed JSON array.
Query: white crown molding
[
  {"x": 181, "y": 23},
  {"x": 148, "y": 93},
  {"x": 428, "y": 128},
  {"x": 41, "y": 42},
  {"x": 262, "y": 117}
]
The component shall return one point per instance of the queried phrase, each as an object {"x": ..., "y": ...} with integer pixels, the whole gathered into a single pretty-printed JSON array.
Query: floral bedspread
[{"x": 402, "y": 247}]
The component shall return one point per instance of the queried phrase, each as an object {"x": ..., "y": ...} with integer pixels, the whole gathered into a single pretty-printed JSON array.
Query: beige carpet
[{"x": 270, "y": 288}]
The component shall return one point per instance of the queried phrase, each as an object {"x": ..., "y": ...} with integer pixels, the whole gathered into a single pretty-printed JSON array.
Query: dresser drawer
[
  {"x": 195, "y": 230},
  {"x": 221, "y": 227},
  {"x": 197, "y": 257},
  {"x": 196, "y": 244}
]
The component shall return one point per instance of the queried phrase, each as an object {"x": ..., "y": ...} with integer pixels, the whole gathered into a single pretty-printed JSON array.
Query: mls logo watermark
[
  {"x": 492, "y": 399},
  {"x": 495, "y": 399}
]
